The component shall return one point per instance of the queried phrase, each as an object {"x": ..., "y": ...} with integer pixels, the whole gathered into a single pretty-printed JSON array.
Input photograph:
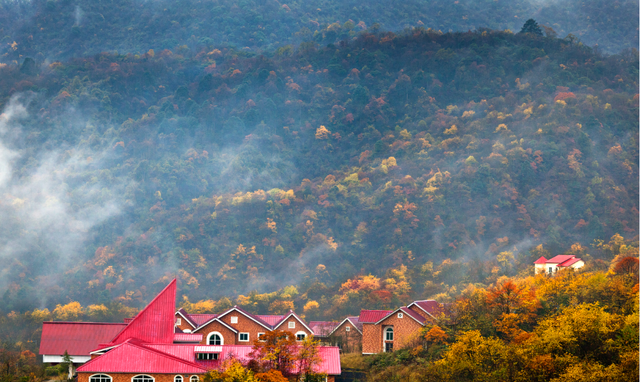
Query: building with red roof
[
  {"x": 150, "y": 348},
  {"x": 388, "y": 330},
  {"x": 553, "y": 265}
]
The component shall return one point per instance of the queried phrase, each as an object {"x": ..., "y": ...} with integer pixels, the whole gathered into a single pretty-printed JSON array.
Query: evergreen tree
[{"x": 531, "y": 26}]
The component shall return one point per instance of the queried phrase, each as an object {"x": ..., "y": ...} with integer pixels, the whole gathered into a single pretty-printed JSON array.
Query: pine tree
[{"x": 531, "y": 26}]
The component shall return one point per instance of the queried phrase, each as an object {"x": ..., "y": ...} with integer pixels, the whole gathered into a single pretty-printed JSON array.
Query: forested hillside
[
  {"x": 307, "y": 167},
  {"x": 61, "y": 29}
]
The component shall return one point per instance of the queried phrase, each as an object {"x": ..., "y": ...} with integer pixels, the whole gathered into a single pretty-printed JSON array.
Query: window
[
  {"x": 178, "y": 378},
  {"x": 234, "y": 320},
  {"x": 215, "y": 338},
  {"x": 194, "y": 378},
  {"x": 388, "y": 334},
  {"x": 206, "y": 356},
  {"x": 100, "y": 378},
  {"x": 142, "y": 378},
  {"x": 347, "y": 328},
  {"x": 300, "y": 336},
  {"x": 400, "y": 315},
  {"x": 550, "y": 269},
  {"x": 292, "y": 325},
  {"x": 388, "y": 347},
  {"x": 243, "y": 337},
  {"x": 260, "y": 336},
  {"x": 178, "y": 321}
]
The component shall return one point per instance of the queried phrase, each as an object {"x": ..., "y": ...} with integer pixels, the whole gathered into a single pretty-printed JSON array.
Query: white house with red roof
[
  {"x": 551, "y": 266},
  {"x": 148, "y": 348}
]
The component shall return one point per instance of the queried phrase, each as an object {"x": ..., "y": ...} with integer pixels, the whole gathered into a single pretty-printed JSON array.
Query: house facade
[
  {"x": 553, "y": 265},
  {"x": 347, "y": 334},
  {"x": 151, "y": 347},
  {"x": 386, "y": 330}
]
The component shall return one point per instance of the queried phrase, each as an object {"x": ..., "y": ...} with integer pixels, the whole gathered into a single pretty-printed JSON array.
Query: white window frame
[
  {"x": 260, "y": 335},
  {"x": 101, "y": 379},
  {"x": 212, "y": 334},
  {"x": 292, "y": 324},
  {"x": 301, "y": 333},
  {"x": 178, "y": 321},
  {"x": 234, "y": 319},
  {"x": 178, "y": 378},
  {"x": 194, "y": 378},
  {"x": 400, "y": 315},
  {"x": 143, "y": 379},
  {"x": 240, "y": 337},
  {"x": 388, "y": 331},
  {"x": 207, "y": 356},
  {"x": 347, "y": 328}
]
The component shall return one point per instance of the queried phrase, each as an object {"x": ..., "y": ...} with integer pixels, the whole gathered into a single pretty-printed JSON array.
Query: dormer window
[
  {"x": 234, "y": 319},
  {"x": 400, "y": 315}
]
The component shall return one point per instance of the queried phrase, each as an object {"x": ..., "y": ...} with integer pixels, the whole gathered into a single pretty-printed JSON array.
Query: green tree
[{"x": 531, "y": 26}]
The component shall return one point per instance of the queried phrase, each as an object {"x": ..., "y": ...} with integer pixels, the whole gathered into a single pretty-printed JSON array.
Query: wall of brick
[
  {"x": 183, "y": 323},
  {"x": 298, "y": 327},
  {"x": 405, "y": 330},
  {"x": 245, "y": 325},
  {"x": 349, "y": 341},
  {"x": 371, "y": 339},
  {"x": 229, "y": 337},
  {"x": 126, "y": 377}
]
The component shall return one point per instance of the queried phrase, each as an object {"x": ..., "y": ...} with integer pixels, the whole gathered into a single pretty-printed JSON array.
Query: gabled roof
[
  {"x": 560, "y": 259},
  {"x": 218, "y": 320},
  {"x": 133, "y": 356},
  {"x": 430, "y": 307},
  {"x": 250, "y": 316},
  {"x": 155, "y": 322},
  {"x": 271, "y": 319},
  {"x": 200, "y": 319},
  {"x": 322, "y": 328},
  {"x": 186, "y": 317},
  {"x": 418, "y": 318},
  {"x": 77, "y": 338},
  {"x": 569, "y": 262},
  {"x": 292, "y": 314},
  {"x": 541, "y": 260},
  {"x": 355, "y": 322},
  {"x": 372, "y": 316}
]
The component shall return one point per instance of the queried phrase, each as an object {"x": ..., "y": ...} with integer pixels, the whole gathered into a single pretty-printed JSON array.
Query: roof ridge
[{"x": 84, "y": 322}]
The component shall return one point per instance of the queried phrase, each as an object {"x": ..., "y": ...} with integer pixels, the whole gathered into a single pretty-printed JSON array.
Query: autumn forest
[{"x": 351, "y": 157}]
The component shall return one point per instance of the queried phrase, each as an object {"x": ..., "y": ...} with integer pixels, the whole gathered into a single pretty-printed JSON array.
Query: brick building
[
  {"x": 151, "y": 347},
  {"x": 347, "y": 334},
  {"x": 386, "y": 330}
]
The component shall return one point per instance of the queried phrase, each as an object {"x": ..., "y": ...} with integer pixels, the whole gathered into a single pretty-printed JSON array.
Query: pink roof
[
  {"x": 200, "y": 319},
  {"x": 187, "y": 337},
  {"x": 330, "y": 355},
  {"x": 271, "y": 319},
  {"x": 133, "y": 357},
  {"x": 569, "y": 262},
  {"x": 432, "y": 307},
  {"x": 77, "y": 338},
  {"x": 560, "y": 259},
  {"x": 372, "y": 316},
  {"x": 155, "y": 322},
  {"x": 541, "y": 260},
  {"x": 322, "y": 328}
]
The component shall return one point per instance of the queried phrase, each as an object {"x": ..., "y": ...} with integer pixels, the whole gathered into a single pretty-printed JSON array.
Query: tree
[
  {"x": 531, "y": 26},
  {"x": 275, "y": 350}
]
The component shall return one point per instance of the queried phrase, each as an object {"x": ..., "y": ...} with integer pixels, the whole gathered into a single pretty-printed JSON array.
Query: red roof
[
  {"x": 155, "y": 322},
  {"x": 372, "y": 316},
  {"x": 541, "y": 260},
  {"x": 432, "y": 307},
  {"x": 322, "y": 328},
  {"x": 330, "y": 363},
  {"x": 200, "y": 319},
  {"x": 560, "y": 259},
  {"x": 77, "y": 338},
  {"x": 187, "y": 337},
  {"x": 271, "y": 319},
  {"x": 133, "y": 357},
  {"x": 569, "y": 262}
]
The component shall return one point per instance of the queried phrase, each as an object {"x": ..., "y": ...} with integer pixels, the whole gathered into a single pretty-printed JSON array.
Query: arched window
[
  {"x": 100, "y": 378},
  {"x": 178, "y": 378},
  {"x": 300, "y": 336},
  {"x": 142, "y": 378},
  {"x": 215, "y": 338},
  {"x": 194, "y": 378},
  {"x": 388, "y": 334}
]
